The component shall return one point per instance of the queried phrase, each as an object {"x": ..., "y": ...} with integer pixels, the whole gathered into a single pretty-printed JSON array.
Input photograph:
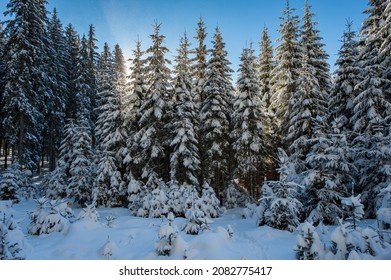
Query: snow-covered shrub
[
  {"x": 249, "y": 210},
  {"x": 13, "y": 244},
  {"x": 342, "y": 242},
  {"x": 308, "y": 246},
  {"x": 230, "y": 231},
  {"x": 176, "y": 199},
  {"x": 56, "y": 182},
  {"x": 354, "y": 209},
  {"x": 109, "y": 248},
  {"x": 37, "y": 216},
  {"x": 8, "y": 186},
  {"x": 89, "y": 213},
  {"x": 50, "y": 216},
  {"x": 110, "y": 220},
  {"x": 209, "y": 202},
  {"x": 167, "y": 235},
  {"x": 383, "y": 215},
  {"x": 135, "y": 195}
]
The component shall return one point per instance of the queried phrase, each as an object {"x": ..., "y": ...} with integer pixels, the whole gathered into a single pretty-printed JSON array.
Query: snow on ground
[{"x": 134, "y": 238}]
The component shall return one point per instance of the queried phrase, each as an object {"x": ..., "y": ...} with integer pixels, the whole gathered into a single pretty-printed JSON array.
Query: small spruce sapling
[
  {"x": 308, "y": 246},
  {"x": 167, "y": 235}
]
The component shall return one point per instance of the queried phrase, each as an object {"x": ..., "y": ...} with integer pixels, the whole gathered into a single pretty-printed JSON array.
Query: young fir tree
[
  {"x": 151, "y": 156},
  {"x": 346, "y": 77},
  {"x": 110, "y": 139},
  {"x": 283, "y": 206},
  {"x": 308, "y": 245},
  {"x": 215, "y": 116},
  {"x": 248, "y": 134},
  {"x": 26, "y": 80},
  {"x": 167, "y": 235},
  {"x": 184, "y": 160},
  {"x": 81, "y": 168},
  {"x": 56, "y": 184},
  {"x": 8, "y": 185},
  {"x": 286, "y": 73}
]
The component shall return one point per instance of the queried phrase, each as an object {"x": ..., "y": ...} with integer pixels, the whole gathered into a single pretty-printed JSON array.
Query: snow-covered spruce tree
[
  {"x": 184, "y": 161},
  {"x": 155, "y": 202},
  {"x": 313, "y": 48},
  {"x": 136, "y": 193},
  {"x": 304, "y": 114},
  {"x": 132, "y": 114},
  {"x": 8, "y": 186},
  {"x": 177, "y": 199},
  {"x": 108, "y": 184},
  {"x": 91, "y": 76},
  {"x": 265, "y": 67},
  {"x": 3, "y": 142},
  {"x": 55, "y": 113},
  {"x": 151, "y": 153},
  {"x": 283, "y": 212},
  {"x": 13, "y": 244},
  {"x": 89, "y": 213},
  {"x": 383, "y": 215},
  {"x": 308, "y": 245},
  {"x": 248, "y": 134},
  {"x": 215, "y": 116},
  {"x": 385, "y": 47},
  {"x": 196, "y": 219},
  {"x": 123, "y": 90},
  {"x": 50, "y": 216},
  {"x": 72, "y": 40},
  {"x": 371, "y": 107},
  {"x": 83, "y": 100},
  {"x": 354, "y": 210},
  {"x": 56, "y": 183},
  {"x": 198, "y": 80},
  {"x": 346, "y": 77},
  {"x": 373, "y": 159},
  {"x": 329, "y": 171},
  {"x": 81, "y": 167},
  {"x": 375, "y": 49},
  {"x": 167, "y": 235},
  {"x": 209, "y": 203},
  {"x": 286, "y": 73},
  {"x": 26, "y": 80}
]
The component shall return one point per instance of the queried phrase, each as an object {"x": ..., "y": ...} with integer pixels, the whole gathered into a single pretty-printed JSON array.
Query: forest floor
[{"x": 134, "y": 238}]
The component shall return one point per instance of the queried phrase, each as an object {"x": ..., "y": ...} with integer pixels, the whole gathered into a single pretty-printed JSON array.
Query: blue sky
[{"x": 241, "y": 22}]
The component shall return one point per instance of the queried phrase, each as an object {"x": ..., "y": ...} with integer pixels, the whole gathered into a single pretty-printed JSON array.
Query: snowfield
[{"x": 230, "y": 237}]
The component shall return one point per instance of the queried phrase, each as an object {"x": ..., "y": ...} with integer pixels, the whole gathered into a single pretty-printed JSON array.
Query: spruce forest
[{"x": 292, "y": 144}]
